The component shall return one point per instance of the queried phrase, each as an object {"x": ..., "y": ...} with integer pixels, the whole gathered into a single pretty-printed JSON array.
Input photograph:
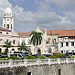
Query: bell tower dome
[{"x": 8, "y": 19}]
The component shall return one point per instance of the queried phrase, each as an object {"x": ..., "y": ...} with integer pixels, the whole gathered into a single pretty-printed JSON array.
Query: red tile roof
[
  {"x": 57, "y": 52},
  {"x": 48, "y": 32},
  {"x": 53, "y": 31},
  {"x": 24, "y": 34},
  {"x": 2, "y": 29},
  {"x": 67, "y": 33}
]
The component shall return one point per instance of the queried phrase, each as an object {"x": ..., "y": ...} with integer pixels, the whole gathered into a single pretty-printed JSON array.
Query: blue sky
[{"x": 49, "y": 14}]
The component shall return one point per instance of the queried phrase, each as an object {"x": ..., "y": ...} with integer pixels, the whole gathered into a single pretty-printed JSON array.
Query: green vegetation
[
  {"x": 13, "y": 58},
  {"x": 41, "y": 57},
  {"x": 7, "y": 45},
  {"x": 30, "y": 57},
  {"x": 73, "y": 56},
  {"x": 23, "y": 46},
  {"x": 36, "y": 38},
  {"x": 33, "y": 57},
  {"x": 3, "y": 58},
  {"x": 58, "y": 56}
]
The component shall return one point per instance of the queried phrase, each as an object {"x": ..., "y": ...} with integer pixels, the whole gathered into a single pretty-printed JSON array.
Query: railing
[{"x": 30, "y": 62}]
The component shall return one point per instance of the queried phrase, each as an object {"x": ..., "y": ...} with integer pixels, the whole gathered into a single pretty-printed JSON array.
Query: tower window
[
  {"x": 7, "y": 26},
  {"x": 11, "y": 26},
  {"x": 4, "y": 25},
  {"x": 7, "y": 19}
]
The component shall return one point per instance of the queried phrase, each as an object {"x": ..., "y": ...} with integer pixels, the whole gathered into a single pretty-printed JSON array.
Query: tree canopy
[{"x": 36, "y": 38}]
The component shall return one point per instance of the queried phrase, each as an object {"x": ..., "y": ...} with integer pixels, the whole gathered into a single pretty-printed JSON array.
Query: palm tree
[
  {"x": 36, "y": 38},
  {"x": 23, "y": 46},
  {"x": 7, "y": 45}
]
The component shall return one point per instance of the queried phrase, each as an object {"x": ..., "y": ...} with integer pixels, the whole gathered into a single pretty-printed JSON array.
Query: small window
[
  {"x": 29, "y": 42},
  {"x": 67, "y": 43},
  {"x": 29, "y": 73},
  {"x": 13, "y": 41},
  {"x": 59, "y": 72},
  {"x": 0, "y": 32},
  {"x": 62, "y": 51},
  {"x": 72, "y": 43},
  {"x": 23, "y": 41},
  {"x": 6, "y": 32},
  {"x": 61, "y": 44},
  {"x": 7, "y": 26},
  {"x": 11, "y": 26},
  {"x": 7, "y": 19},
  {"x": 48, "y": 38},
  {"x": 4, "y": 25},
  {"x": 54, "y": 41},
  {"x": 72, "y": 50}
]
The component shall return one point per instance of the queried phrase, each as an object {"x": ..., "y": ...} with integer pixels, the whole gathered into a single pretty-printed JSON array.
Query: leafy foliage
[
  {"x": 13, "y": 57},
  {"x": 36, "y": 38},
  {"x": 73, "y": 56},
  {"x": 7, "y": 45},
  {"x": 23, "y": 46},
  {"x": 30, "y": 57},
  {"x": 58, "y": 56},
  {"x": 41, "y": 57},
  {"x": 3, "y": 58}
]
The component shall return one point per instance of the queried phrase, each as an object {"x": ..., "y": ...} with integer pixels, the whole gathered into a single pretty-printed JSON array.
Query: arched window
[
  {"x": 7, "y": 26},
  {"x": 11, "y": 26},
  {"x": 4, "y": 25},
  {"x": 49, "y": 50}
]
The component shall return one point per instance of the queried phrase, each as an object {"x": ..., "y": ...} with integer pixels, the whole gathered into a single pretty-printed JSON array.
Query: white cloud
[
  {"x": 66, "y": 5},
  {"x": 43, "y": 16}
]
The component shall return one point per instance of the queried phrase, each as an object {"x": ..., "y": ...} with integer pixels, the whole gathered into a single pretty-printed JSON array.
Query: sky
[{"x": 49, "y": 14}]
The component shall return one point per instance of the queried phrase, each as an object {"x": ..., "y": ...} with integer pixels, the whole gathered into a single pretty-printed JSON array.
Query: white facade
[
  {"x": 42, "y": 47},
  {"x": 7, "y": 32},
  {"x": 66, "y": 45}
]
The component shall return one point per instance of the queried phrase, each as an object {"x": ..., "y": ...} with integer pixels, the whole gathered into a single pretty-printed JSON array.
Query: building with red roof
[{"x": 66, "y": 41}]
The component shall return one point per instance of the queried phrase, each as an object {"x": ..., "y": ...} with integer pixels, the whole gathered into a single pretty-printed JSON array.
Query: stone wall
[{"x": 62, "y": 69}]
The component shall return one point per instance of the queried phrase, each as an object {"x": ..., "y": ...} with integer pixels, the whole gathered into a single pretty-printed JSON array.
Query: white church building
[{"x": 7, "y": 31}]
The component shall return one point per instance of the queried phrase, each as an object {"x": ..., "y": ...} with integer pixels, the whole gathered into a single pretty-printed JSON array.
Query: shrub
[
  {"x": 22, "y": 57},
  {"x": 13, "y": 57},
  {"x": 58, "y": 56},
  {"x": 41, "y": 57},
  {"x": 3, "y": 58},
  {"x": 73, "y": 56},
  {"x": 30, "y": 57}
]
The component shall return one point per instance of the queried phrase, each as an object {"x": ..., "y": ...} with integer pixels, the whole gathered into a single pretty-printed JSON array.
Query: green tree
[
  {"x": 36, "y": 38},
  {"x": 23, "y": 46},
  {"x": 7, "y": 45}
]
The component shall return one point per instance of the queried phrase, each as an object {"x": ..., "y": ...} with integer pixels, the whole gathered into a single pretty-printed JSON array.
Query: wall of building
[
  {"x": 65, "y": 48},
  {"x": 63, "y": 69},
  {"x": 52, "y": 37}
]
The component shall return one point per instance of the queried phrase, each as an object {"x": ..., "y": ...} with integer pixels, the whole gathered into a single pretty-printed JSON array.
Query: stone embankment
[{"x": 55, "y": 69}]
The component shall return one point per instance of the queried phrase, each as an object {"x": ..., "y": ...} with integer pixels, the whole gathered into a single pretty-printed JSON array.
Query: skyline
[{"x": 49, "y": 14}]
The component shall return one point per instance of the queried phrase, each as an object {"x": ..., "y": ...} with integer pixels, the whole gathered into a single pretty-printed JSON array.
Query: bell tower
[{"x": 8, "y": 19}]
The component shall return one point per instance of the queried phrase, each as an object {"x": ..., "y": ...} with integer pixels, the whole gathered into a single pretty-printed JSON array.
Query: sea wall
[{"x": 58, "y": 69}]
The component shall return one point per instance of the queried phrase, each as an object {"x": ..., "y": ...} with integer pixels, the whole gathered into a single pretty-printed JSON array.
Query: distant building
[
  {"x": 49, "y": 42},
  {"x": 66, "y": 41}
]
